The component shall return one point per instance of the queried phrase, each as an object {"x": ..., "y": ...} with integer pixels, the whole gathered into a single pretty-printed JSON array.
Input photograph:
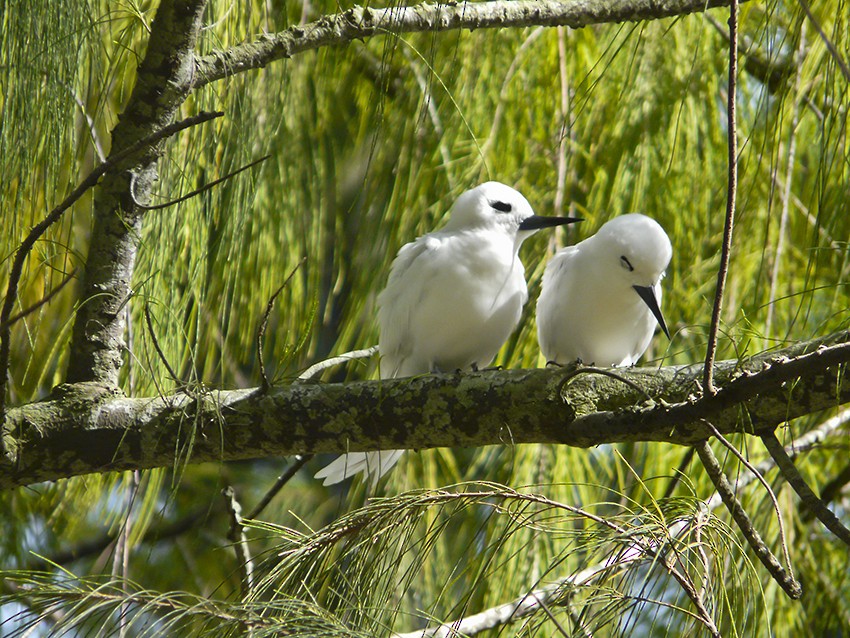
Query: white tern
[
  {"x": 601, "y": 298},
  {"x": 452, "y": 299}
]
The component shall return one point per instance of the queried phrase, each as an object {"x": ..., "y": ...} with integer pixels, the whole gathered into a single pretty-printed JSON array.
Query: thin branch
[
  {"x": 299, "y": 461},
  {"x": 261, "y": 331},
  {"x": 159, "y": 351},
  {"x": 785, "y": 191},
  {"x": 38, "y": 304},
  {"x": 607, "y": 373},
  {"x": 96, "y": 545},
  {"x": 786, "y": 580},
  {"x": 359, "y": 23},
  {"x": 98, "y": 146},
  {"x": 679, "y": 473},
  {"x": 806, "y": 443},
  {"x": 782, "y": 539},
  {"x": 810, "y": 499},
  {"x": 317, "y": 368},
  {"x": 39, "y": 229},
  {"x": 121, "y": 559},
  {"x": 732, "y": 187},
  {"x": 237, "y": 536},
  {"x": 195, "y": 192},
  {"x": 772, "y": 69}
]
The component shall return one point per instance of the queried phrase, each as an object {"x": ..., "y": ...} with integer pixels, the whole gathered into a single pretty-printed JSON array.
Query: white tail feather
[{"x": 374, "y": 464}]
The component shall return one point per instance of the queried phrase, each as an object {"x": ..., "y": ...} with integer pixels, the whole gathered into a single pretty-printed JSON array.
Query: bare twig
[
  {"x": 317, "y": 368},
  {"x": 39, "y": 229},
  {"x": 121, "y": 558},
  {"x": 732, "y": 186},
  {"x": 765, "y": 484},
  {"x": 237, "y": 536},
  {"x": 261, "y": 331},
  {"x": 680, "y": 471},
  {"x": 38, "y": 304},
  {"x": 565, "y": 113},
  {"x": 159, "y": 351},
  {"x": 299, "y": 461},
  {"x": 810, "y": 499},
  {"x": 832, "y": 489},
  {"x": 786, "y": 580},
  {"x": 195, "y": 192}
]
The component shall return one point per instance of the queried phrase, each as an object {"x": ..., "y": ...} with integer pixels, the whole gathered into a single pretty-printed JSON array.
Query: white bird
[
  {"x": 601, "y": 298},
  {"x": 452, "y": 299}
]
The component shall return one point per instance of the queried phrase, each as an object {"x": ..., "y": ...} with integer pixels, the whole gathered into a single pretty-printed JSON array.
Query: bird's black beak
[
  {"x": 536, "y": 222},
  {"x": 648, "y": 295}
]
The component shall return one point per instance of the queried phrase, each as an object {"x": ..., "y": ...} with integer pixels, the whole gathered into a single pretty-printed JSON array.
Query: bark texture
[
  {"x": 164, "y": 80},
  {"x": 362, "y": 22},
  {"x": 88, "y": 427}
]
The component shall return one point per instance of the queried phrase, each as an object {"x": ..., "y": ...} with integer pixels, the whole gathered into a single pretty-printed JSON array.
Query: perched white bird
[
  {"x": 601, "y": 298},
  {"x": 452, "y": 299}
]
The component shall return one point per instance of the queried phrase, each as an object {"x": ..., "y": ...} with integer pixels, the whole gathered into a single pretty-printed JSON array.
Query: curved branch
[
  {"x": 791, "y": 474},
  {"x": 359, "y": 23},
  {"x": 87, "y": 427}
]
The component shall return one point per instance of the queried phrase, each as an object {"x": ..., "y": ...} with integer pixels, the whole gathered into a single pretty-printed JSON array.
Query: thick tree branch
[
  {"x": 358, "y": 23},
  {"x": 87, "y": 427},
  {"x": 164, "y": 80}
]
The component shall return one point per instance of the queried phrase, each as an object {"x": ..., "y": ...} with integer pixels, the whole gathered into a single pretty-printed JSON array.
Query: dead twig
[
  {"x": 299, "y": 461},
  {"x": 791, "y": 474},
  {"x": 237, "y": 536},
  {"x": 38, "y": 304},
  {"x": 195, "y": 192},
  {"x": 732, "y": 187},
  {"x": 159, "y": 351},
  {"x": 261, "y": 331},
  {"x": 765, "y": 484}
]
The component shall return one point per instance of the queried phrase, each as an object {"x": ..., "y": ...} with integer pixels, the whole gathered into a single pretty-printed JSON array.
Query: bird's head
[
  {"x": 637, "y": 251},
  {"x": 494, "y": 205}
]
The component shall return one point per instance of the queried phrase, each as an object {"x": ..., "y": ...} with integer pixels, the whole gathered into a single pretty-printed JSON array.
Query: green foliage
[{"x": 370, "y": 144}]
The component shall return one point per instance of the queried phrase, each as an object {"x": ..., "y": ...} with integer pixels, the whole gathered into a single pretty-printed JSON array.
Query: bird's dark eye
[
  {"x": 626, "y": 263},
  {"x": 502, "y": 206}
]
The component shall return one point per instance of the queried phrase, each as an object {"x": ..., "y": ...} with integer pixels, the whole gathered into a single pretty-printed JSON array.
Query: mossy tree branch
[
  {"x": 88, "y": 427},
  {"x": 359, "y": 23},
  {"x": 163, "y": 82}
]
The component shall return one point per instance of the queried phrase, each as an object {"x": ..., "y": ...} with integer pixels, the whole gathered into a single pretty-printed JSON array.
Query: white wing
[
  {"x": 553, "y": 306},
  {"x": 396, "y": 303}
]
